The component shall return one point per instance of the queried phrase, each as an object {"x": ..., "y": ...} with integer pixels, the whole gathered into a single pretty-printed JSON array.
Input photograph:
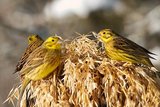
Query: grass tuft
[{"x": 89, "y": 78}]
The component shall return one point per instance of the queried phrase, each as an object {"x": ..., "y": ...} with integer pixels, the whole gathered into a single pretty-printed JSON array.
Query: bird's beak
[
  {"x": 60, "y": 38},
  {"x": 95, "y": 34},
  {"x": 60, "y": 41}
]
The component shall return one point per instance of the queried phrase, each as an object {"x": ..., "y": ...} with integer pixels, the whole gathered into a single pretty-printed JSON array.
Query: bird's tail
[{"x": 23, "y": 87}]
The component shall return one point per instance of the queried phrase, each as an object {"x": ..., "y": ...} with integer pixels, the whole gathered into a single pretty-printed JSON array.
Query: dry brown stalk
[{"x": 90, "y": 79}]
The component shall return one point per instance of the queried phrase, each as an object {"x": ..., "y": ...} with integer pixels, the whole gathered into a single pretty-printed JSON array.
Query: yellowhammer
[
  {"x": 122, "y": 49},
  {"x": 41, "y": 62},
  {"x": 34, "y": 41}
]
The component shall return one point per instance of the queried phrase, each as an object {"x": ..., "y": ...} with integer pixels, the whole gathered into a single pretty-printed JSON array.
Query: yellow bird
[
  {"x": 122, "y": 49},
  {"x": 41, "y": 62},
  {"x": 34, "y": 41}
]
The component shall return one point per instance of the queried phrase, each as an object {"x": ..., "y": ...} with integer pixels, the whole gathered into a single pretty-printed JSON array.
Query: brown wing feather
[
  {"x": 28, "y": 51},
  {"x": 130, "y": 47},
  {"x": 51, "y": 59},
  {"x": 35, "y": 59}
]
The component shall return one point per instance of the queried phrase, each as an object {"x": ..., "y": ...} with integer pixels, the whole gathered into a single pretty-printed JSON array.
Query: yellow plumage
[
  {"x": 122, "y": 49},
  {"x": 41, "y": 62},
  {"x": 34, "y": 41}
]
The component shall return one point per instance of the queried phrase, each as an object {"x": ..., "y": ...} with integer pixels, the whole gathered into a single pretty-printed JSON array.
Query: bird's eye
[
  {"x": 52, "y": 40},
  {"x": 104, "y": 33},
  {"x": 30, "y": 39}
]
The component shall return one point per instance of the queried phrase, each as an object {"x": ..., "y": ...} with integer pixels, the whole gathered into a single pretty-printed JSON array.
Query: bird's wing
[
  {"x": 23, "y": 59},
  {"x": 130, "y": 47},
  {"x": 51, "y": 62},
  {"x": 35, "y": 59},
  {"x": 28, "y": 51}
]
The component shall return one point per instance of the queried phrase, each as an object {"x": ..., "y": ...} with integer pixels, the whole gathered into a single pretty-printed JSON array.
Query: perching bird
[
  {"x": 34, "y": 41},
  {"x": 41, "y": 62},
  {"x": 122, "y": 49}
]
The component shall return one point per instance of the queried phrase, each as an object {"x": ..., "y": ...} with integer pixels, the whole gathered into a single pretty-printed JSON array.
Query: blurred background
[{"x": 138, "y": 20}]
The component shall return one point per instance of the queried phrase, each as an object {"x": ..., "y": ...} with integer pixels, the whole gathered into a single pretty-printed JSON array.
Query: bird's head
[
  {"x": 53, "y": 42},
  {"x": 105, "y": 35},
  {"x": 33, "y": 38}
]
